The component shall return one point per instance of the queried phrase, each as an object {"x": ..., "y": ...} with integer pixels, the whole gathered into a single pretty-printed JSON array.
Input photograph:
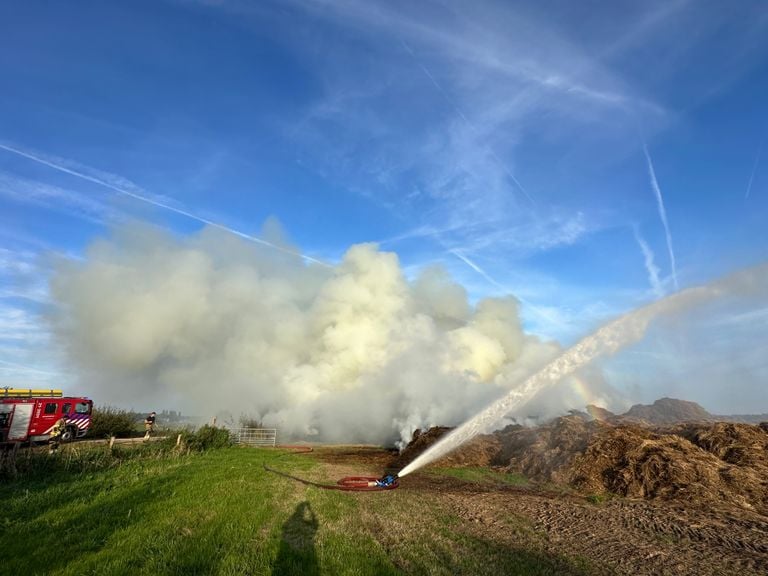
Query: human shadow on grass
[{"x": 297, "y": 555}]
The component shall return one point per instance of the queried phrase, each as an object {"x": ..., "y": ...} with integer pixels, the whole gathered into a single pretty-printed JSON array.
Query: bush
[
  {"x": 30, "y": 463},
  {"x": 250, "y": 422},
  {"x": 207, "y": 438},
  {"x": 108, "y": 421}
]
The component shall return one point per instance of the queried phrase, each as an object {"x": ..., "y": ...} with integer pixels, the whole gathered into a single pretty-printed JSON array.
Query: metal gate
[{"x": 255, "y": 436}]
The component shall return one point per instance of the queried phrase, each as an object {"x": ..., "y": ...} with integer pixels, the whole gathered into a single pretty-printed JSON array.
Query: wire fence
[{"x": 254, "y": 436}]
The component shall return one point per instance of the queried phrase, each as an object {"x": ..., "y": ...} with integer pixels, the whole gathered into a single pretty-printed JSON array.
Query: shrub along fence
[
  {"x": 107, "y": 421},
  {"x": 30, "y": 462}
]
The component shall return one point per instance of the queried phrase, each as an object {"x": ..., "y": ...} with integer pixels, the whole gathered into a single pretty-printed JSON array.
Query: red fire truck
[{"x": 28, "y": 415}]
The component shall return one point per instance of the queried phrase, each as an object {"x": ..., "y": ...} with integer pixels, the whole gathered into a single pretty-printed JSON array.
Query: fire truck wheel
[{"x": 69, "y": 434}]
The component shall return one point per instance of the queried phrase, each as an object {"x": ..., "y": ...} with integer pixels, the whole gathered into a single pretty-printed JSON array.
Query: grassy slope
[{"x": 221, "y": 513}]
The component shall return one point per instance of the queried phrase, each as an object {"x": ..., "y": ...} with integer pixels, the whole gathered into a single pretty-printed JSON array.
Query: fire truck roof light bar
[{"x": 30, "y": 393}]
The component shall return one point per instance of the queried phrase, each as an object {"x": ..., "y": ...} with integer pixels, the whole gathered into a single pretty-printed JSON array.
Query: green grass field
[{"x": 220, "y": 512}]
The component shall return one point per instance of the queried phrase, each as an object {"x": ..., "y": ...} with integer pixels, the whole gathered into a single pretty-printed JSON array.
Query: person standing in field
[
  {"x": 149, "y": 425},
  {"x": 56, "y": 433}
]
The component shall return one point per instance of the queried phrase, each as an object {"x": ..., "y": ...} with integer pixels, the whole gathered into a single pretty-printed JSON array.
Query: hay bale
[
  {"x": 641, "y": 463},
  {"x": 543, "y": 453},
  {"x": 711, "y": 464},
  {"x": 739, "y": 444}
]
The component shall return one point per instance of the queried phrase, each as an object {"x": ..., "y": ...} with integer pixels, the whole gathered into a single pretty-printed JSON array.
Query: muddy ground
[{"x": 615, "y": 536}]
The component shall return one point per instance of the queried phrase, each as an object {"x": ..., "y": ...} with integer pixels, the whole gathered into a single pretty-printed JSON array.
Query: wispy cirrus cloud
[
  {"x": 479, "y": 84},
  {"x": 21, "y": 326},
  {"x": 106, "y": 179},
  {"x": 17, "y": 262},
  {"x": 482, "y": 39},
  {"x": 26, "y": 352},
  {"x": 23, "y": 370},
  {"x": 21, "y": 277},
  {"x": 512, "y": 239},
  {"x": 551, "y": 322},
  {"x": 469, "y": 123},
  {"x": 127, "y": 188},
  {"x": 431, "y": 116},
  {"x": 67, "y": 201}
]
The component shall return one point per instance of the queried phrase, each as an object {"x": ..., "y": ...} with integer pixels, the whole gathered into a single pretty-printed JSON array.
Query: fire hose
[{"x": 346, "y": 484}]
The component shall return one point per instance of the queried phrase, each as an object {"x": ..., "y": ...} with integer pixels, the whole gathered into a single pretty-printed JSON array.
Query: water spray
[{"x": 605, "y": 341}]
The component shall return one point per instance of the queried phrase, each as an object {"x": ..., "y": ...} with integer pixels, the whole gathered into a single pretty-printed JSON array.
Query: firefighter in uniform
[
  {"x": 56, "y": 433},
  {"x": 149, "y": 425}
]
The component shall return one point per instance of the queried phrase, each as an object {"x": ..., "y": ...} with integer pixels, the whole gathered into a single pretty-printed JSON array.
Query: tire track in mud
[
  {"x": 629, "y": 537},
  {"x": 617, "y": 536}
]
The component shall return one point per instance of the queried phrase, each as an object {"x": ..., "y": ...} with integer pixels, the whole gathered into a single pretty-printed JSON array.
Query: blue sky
[{"x": 586, "y": 157}]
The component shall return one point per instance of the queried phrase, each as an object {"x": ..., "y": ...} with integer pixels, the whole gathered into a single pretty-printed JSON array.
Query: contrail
[
  {"x": 535, "y": 309},
  {"x": 662, "y": 214},
  {"x": 754, "y": 169},
  {"x": 466, "y": 120},
  {"x": 650, "y": 266},
  {"x": 141, "y": 198},
  {"x": 477, "y": 269}
]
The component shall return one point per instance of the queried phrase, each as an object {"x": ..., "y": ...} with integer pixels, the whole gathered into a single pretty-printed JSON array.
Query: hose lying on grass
[{"x": 348, "y": 483}]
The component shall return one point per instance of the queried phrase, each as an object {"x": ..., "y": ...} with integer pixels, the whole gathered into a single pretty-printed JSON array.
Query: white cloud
[
  {"x": 26, "y": 354},
  {"x": 479, "y": 84},
  {"x": 71, "y": 202},
  {"x": 20, "y": 325},
  {"x": 21, "y": 276}
]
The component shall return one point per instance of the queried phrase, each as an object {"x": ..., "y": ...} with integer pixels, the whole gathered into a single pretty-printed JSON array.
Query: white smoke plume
[{"x": 353, "y": 353}]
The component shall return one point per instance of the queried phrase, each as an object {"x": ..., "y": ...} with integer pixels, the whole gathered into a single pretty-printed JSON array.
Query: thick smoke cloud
[{"x": 353, "y": 353}]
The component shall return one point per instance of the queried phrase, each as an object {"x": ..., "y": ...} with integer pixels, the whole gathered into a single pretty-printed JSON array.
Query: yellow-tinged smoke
[{"x": 350, "y": 353}]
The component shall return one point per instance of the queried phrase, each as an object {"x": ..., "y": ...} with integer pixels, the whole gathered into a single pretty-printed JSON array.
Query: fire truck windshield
[{"x": 82, "y": 408}]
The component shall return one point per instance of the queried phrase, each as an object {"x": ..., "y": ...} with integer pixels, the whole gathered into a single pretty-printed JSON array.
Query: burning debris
[
  {"x": 712, "y": 463},
  {"x": 476, "y": 452}
]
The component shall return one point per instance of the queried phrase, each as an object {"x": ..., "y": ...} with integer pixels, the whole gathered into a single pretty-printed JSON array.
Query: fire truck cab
[{"x": 28, "y": 415}]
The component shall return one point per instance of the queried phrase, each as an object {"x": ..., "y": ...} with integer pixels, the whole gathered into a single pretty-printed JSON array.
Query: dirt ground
[{"x": 616, "y": 535}]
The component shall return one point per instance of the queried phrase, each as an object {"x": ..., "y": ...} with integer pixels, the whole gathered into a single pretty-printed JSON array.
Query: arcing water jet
[{"x": 607, "y": 340}]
